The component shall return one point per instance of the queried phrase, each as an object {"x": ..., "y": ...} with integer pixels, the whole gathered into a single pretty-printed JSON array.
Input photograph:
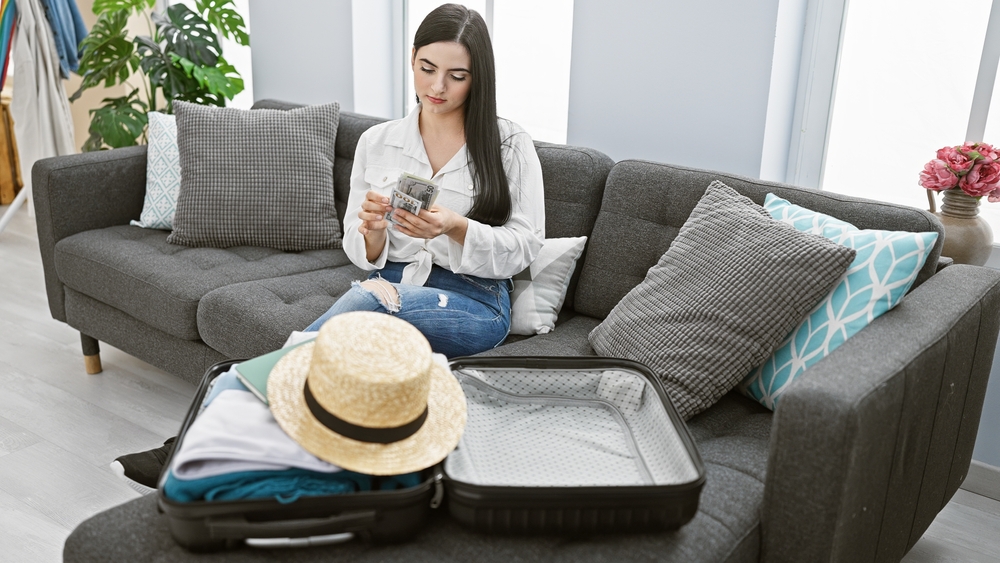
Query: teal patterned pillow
[
  {"x": 887, "y": 262},
  {"x": 163, "y": 174}
]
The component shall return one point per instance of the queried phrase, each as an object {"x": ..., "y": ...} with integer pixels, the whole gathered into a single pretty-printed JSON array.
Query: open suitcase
[{"x": 552, "y": 445}]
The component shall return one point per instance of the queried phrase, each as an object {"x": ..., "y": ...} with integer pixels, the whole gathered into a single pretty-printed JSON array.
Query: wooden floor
[{"x": 59, "y": 428}]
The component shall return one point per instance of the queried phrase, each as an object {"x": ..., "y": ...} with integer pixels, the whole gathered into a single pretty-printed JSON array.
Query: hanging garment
[
  {"x": 8, "y": 15},
  {"x": 43, "y": 124},
  {"x": 68, "y": 30}
]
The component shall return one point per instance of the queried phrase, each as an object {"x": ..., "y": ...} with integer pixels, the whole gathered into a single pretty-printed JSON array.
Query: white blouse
[{"x": 389, "y": 149}]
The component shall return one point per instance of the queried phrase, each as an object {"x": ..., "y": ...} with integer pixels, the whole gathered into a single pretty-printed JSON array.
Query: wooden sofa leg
[{"x": 91, "y": 354}]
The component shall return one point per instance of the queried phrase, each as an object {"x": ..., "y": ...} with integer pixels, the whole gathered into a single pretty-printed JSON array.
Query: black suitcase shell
[
  {"x": 377, "y": 516},
  {"x": 393, "y": 516},
  {"x": 576, "y": 509}
]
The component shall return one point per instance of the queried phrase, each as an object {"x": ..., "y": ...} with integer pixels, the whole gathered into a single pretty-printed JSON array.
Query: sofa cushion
[
  {"x": 732, "y": 437},
  {"x": 885, "y": 267},
  {"x": 163, "y": 173},
  {"x": 260, "y": 178},
  {"x": 136, "y": 271},
  {"x": 730, "y": 287},
  {"x": 645, "y": 203},
  {"x": 269, "y": 310}
]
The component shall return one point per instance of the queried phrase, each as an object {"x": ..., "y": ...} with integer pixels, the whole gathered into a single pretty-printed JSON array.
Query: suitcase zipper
[{"x": 438, "y": 490}]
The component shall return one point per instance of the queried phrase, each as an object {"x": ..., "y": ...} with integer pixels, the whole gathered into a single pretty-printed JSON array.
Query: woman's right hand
[
  {"x": 372, "y": 214},
  {"x": 373, "y": 224}
]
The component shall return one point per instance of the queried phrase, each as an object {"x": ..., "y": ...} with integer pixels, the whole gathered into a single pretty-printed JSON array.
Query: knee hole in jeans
[{"x": 385, "y": 293}]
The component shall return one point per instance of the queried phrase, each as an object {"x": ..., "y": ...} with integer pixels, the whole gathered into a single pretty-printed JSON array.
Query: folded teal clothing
[{"x": 286, "y": 485}]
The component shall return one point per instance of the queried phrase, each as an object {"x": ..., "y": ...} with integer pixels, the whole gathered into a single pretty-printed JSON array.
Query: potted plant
[{"x": 180, "y": 59}]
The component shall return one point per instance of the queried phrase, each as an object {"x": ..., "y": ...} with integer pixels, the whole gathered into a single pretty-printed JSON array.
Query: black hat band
[{"x": 361, "y": 433}]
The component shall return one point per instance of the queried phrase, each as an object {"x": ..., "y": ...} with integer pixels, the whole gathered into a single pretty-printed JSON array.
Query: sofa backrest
[
  {"x": 646, "y": 203},
  {"x": 574, "y": 178},
  {"x": 349, "y": 130}
]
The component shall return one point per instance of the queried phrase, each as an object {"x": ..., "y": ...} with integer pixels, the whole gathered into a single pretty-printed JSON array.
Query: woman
[{"x": 447, "y": 269}]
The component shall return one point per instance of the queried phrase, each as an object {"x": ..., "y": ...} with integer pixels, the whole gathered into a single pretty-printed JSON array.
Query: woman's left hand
[{"x": 431, "y": 223}]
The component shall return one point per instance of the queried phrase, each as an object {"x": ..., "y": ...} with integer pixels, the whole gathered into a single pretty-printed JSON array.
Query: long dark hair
[{"x": 456, "y": 23}]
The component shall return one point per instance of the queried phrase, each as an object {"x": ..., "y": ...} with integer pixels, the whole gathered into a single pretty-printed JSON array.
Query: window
[
  {"x": 907, "y": 75},
  {"x": 532, "y": 44}
]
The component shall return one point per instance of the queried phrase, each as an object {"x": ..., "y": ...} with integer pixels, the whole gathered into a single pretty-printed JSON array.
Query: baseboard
[{"x": 983, "y": 480}]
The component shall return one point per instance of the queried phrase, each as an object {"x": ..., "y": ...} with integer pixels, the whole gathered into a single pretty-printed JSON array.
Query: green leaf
[
  {"x": 160, "y": 68},
  {"x": 93, "y": 143},
  {"x": 203, "y": 98},
  {"x": 226, "y": 20},
  {"x": 119, "y": 123},
  {"x": 185, "y": 64},
  {"x": 220, "y": 80},
  {"x": 137, "y": 6},
  {"x": 188, "y": 35},
  {"x": 106, "y": 53}
]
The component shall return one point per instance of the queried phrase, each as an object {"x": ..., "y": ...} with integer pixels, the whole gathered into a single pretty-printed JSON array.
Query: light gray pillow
[
  {"x": 256, "y": 178},
  {"x": 540, "y": 290},
  {"x": 731, "y": 286}
]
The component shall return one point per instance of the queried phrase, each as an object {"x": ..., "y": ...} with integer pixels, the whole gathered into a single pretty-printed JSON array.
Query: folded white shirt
[{"x": 237, "y": 432}]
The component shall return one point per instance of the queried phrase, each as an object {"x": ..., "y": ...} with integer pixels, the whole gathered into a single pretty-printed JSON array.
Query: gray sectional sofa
[{"x": 862, "y": 454}]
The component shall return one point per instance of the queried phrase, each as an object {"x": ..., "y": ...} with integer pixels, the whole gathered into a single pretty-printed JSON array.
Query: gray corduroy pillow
[
  {"x": 256, "y": 178},
  {"x": 731, "y": 286}
]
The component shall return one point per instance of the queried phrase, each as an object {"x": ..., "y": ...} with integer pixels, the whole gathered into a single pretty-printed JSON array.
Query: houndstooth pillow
[
  {"x": 731, "y": 286},
  {"x": 163, "y": 174},
  {"x": 256, "y": 177}
]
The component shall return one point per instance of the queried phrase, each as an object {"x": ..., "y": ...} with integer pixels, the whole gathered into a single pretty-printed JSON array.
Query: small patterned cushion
[
  {"x": 884, "y": 269},
  {"x": 720, "y": 299},
  {"x": 257, "y": 178},
  {"x": 539, "y": 291},
  {"x": 163, "y": 174}
]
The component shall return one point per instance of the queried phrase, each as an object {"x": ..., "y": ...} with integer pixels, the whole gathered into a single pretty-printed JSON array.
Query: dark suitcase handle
[{"x": 239, "y": 528}]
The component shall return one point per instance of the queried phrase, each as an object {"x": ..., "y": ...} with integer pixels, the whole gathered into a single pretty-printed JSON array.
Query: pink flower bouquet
[{"x": 973, "y": 167}]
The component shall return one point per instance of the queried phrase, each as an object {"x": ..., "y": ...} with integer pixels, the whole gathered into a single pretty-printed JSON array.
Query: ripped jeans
[{"x": 458, "y": 314}]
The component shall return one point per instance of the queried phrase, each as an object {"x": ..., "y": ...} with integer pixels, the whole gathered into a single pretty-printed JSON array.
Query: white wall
[
  {"x": 679, "y": 82},
  {"x": 302, "y": 51},
  {"x": 377, "y": 57}
]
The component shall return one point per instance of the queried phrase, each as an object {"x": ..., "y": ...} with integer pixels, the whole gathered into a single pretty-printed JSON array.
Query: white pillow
[
  {"x": 539, "y": 291},
  {"x": 163, "y": 173}
]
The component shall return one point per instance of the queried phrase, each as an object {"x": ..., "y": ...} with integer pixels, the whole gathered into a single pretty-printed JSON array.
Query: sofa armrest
[
  {"x": 870, "y": 445},
  {"x": 80, "y": 192}
]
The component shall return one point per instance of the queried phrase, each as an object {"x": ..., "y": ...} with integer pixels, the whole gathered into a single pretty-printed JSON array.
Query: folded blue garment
[{"x": 286, "y": 486}]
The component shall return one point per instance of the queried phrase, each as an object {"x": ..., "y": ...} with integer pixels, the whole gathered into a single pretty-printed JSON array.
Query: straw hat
[{"x": 376, "y": 400}]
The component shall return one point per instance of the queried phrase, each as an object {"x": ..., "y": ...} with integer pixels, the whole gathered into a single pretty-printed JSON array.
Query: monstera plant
[{"x": 180, "y": 59}]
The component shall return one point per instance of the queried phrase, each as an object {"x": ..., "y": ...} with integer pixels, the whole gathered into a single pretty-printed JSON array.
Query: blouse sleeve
[
  {"x": 354, "y": 241},
  {"x": 500, "y": 252}
]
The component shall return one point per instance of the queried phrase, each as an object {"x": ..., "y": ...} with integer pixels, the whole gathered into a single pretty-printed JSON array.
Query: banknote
[{"x": 412, "y": 193}]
